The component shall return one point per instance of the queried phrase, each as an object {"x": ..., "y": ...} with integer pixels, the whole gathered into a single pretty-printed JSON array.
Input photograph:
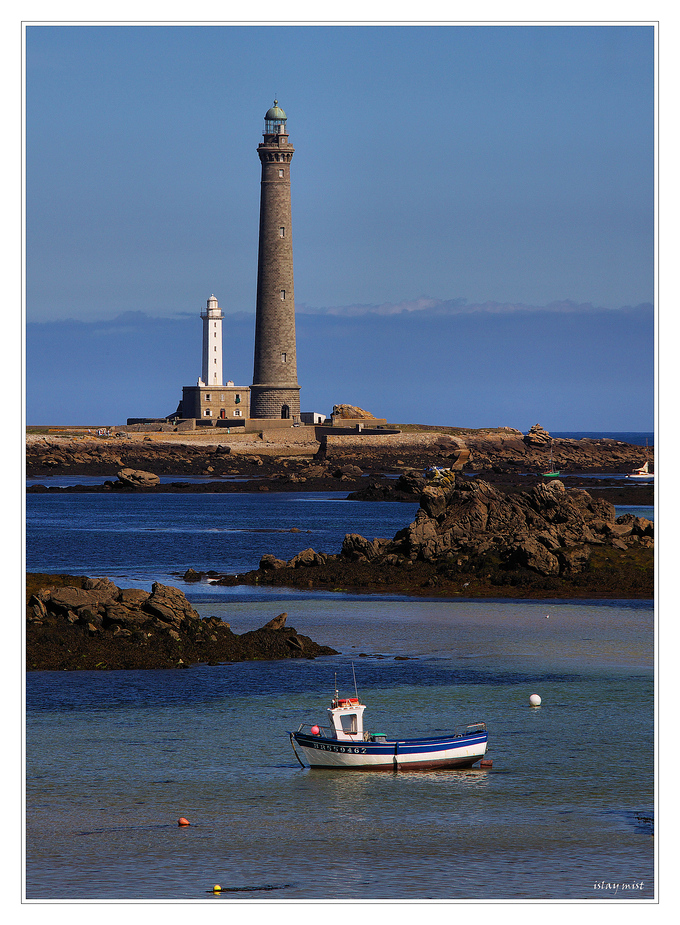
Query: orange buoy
[{"x": 183, "y": 821}]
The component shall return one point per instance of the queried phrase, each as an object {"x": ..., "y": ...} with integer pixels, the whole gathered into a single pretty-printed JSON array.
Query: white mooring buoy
[{"x": 535, "y": 700}]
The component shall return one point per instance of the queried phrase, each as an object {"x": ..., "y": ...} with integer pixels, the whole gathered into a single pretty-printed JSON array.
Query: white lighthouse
[{"x": 211, "y": 373}]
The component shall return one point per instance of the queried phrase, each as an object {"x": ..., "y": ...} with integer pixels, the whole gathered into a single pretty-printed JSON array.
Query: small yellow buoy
[{"x": 217, "y": 888}]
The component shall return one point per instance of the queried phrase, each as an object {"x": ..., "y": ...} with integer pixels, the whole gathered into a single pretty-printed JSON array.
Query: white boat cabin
[{"x": 346, "y": 716}]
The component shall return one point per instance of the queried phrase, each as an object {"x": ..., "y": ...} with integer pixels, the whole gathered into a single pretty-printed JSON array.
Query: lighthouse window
[
  {"x": 283, "y": 357},
  {"x": 282, "y": 232},
  {"x": 283, "y": 294},
  {"x": 281, "y": 172}
]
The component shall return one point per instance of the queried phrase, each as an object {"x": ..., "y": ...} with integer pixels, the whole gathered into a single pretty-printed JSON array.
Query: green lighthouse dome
[{"x": 275, "y": 114}]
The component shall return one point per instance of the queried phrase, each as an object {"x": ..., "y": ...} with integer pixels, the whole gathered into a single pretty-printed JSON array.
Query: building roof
[{"x": 276, "y": 114}]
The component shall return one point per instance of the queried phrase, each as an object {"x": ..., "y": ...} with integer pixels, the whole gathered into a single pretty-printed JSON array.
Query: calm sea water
[{"x": 113, "y": 759}]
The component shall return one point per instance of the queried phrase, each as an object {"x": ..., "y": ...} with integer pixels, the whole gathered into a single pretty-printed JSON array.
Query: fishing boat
[
  {"x": 553, "y": 472},
  {"x": 345, "y": 744},
  {"x": 642, "y": 474}
]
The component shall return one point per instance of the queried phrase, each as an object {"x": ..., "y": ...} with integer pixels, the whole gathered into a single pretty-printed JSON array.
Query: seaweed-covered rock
[{"x": 97, "y": 625}]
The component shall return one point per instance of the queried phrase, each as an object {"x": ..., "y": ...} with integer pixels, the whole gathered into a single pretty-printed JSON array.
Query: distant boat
[
  {"x": 642, "y": 474},
  {"x": 553, "y": 472}
]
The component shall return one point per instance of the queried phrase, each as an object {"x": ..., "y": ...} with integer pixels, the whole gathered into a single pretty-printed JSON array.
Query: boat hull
[{"x": 396, "y": 755}]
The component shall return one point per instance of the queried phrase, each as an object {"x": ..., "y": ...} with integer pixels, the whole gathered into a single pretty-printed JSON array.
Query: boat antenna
[
  {"x": 355, "y": 682},
  {"x": 336, "y": 686}
]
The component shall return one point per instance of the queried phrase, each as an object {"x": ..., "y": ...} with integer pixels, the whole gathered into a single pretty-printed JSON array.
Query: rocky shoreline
[
  {"x": 505, "y": 458},
  {"x": 530, "y": 536},
  {"x": 79, "y": 623}
]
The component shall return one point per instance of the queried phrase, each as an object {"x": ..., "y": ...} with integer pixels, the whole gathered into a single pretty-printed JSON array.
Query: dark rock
[
  {"x": 277, "y": 623},
  {"x": 269, "y": 562},
  {"x": 170, "y": 604},
  {"x": 433, "y": 501},
  {"x": 138, "y": 478},
  {"x": 103, "y": 626},
  {"x": 306, "y": 558},
  {"x": 355, "y": 546}
]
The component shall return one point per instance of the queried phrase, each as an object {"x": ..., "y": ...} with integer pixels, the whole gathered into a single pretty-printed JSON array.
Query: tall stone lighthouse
[{"x": 275, "y": 392}]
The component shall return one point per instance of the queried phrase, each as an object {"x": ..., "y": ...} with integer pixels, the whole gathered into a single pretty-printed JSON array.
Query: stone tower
[
  {"x": 275, "y": 392},
  {"x": 211, "y": 370}
]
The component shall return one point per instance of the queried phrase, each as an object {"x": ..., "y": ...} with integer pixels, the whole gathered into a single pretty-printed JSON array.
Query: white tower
[{"x": 212, "y": 344}]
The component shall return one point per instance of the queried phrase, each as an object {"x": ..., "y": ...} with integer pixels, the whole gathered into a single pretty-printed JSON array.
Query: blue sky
[{"x": 473, "y": 213}]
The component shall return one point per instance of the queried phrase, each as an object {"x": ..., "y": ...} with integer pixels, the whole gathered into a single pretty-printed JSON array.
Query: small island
[{"x": 91, "y": 624}]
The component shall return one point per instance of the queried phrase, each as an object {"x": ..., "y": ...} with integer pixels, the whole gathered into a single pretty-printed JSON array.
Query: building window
[
  {"x": 283, "y": 295},
  {"x": 221, "y": 397},
  {"x": 237, "y": 400},
  {"x": 215, "y": 349},
  {"x": 237, "y": 412},
  {"x": 208, "y": 412},
  {"x": 207, "y": 396}
]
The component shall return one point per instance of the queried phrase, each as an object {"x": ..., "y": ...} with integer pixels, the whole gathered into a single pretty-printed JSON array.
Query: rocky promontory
[
  {"x": 85, "y": 623},
  {"x": 471, "y": 538}
]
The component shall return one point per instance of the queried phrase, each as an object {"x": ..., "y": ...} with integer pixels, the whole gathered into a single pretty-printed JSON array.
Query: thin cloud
[{"x": 451, "y": 307}]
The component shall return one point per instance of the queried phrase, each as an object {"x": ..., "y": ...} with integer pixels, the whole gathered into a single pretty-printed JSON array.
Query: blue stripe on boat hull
[{"x": 408, "y": 754}]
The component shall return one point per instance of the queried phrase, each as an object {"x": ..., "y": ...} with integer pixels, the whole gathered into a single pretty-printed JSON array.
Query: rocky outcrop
[
  {"x": 547, "y": 529},
  {"x": 351, "y": 412},
  {"x": 468, "y": 529},
  {"x": 138, "y": 478},
  {"x": 537, "y": 436},
  {"x": 92, "y": 623}
]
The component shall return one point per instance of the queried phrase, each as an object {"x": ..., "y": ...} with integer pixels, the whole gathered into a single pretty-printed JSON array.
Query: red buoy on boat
[{"x": 315, "y": 730}]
